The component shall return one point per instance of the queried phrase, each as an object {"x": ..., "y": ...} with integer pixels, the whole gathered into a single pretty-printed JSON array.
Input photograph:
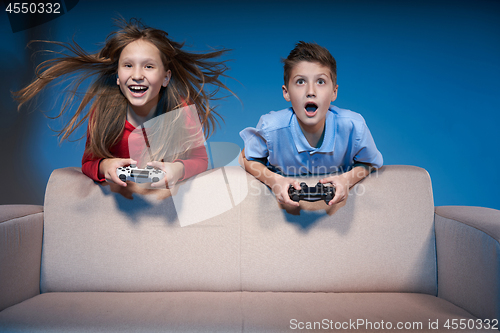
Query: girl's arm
[
  {"x": 103, "y": 169},
  {"x": 90, "y": 164},
  {"x": 196, "y": 163},
  {"x": 90, "y": 167},
  {"x": 181, "y": 169}
]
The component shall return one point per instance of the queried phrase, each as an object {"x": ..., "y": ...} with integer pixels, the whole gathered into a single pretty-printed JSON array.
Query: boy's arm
[
  {"x": 347, "y": 180},
  {"x": 277, "y": 183}
]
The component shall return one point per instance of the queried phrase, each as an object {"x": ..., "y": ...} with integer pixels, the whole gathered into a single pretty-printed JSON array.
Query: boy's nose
[{"x": 311, "y": 92}]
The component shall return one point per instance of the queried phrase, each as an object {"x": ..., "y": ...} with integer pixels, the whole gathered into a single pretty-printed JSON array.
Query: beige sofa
[{"x": 217, "y": 254}]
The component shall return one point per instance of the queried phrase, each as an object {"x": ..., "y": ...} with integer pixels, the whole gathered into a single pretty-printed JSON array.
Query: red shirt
[{"x": 195, "y": 163}]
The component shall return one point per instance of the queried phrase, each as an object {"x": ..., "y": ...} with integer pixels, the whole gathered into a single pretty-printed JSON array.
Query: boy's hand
[
  {"x": 280, "y": 190},
  {"x": 108, "y": 166},
  {"x": 173, "y": 172},
  {"x": 344, "y": 181},
  {"x": 341, "y": 188}
]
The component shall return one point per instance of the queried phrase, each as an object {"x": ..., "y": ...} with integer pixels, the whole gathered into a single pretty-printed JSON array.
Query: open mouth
[
  {"x": 138, "y": 91},
  {"x": 311, "y": 109}
]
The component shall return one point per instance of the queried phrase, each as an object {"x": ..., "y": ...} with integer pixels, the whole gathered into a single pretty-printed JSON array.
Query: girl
[{"x": 140, "y": 74}]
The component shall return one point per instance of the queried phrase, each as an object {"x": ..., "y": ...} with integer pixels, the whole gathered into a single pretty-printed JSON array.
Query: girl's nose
[{"x": 137, "y": 75}]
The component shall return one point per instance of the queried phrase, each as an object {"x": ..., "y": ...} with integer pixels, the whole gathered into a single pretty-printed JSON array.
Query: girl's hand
[
  {"x": 173, "y": 172},
  {"x": 280, "y": 190},
  {"x": 108, "y": 167},
  {"x": 341, "y": 188}
]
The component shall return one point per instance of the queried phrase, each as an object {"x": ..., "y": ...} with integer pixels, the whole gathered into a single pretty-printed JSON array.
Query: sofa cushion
[
  {"x": 20, "y": 247},
  {"x": 380, "y": 240},
  {"x": 104, "y": 238},
  {"x": 468, "y": 258},
  {"x": 231, "y": 312}
]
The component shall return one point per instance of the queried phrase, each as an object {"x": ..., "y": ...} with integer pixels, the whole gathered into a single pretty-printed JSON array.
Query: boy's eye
[
  {"x": 301, "y": 81},
  {"x": 149, "y": 66},
  {"x": 321, "y": 81}
]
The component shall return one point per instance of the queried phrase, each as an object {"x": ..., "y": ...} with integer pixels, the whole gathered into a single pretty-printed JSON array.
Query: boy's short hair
[{"x": 311, "y": 52}]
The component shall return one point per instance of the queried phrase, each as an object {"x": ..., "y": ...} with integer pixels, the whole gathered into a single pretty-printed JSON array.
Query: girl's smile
[{"x": 138, "y": 91}]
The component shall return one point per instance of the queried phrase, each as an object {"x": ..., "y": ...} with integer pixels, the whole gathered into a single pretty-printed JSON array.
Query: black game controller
[{"x": 315, "y": 193}]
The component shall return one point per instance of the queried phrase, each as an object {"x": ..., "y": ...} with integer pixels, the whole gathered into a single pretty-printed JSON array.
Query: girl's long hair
[{"x": 192, "y": 74}]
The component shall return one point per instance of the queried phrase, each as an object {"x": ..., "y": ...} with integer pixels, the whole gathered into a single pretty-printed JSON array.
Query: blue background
[{"x": 424, "y": 74}]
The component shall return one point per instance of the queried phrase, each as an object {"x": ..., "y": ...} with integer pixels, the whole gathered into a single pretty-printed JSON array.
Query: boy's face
[{"x": 311, "y": 90}]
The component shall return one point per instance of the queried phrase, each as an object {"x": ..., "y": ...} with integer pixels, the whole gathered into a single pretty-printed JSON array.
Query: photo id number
[
  {"x": 471, "y": 324},
  {"x": 33, "y": 8}
]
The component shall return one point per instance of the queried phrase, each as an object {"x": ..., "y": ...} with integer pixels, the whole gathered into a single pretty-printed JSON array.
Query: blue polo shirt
[{"x": 279, "y": 138}]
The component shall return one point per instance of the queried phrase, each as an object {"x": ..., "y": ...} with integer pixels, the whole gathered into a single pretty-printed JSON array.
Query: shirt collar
[{"x": 301, "y": 142}]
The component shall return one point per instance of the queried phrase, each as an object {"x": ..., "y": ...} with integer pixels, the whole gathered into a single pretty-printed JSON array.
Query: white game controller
[{"x": 132, "y": 173}]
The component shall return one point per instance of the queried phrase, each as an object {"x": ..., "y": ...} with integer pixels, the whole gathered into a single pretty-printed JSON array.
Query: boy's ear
[
  {"x": 286, "y": 96},
  {"x": 167, "y": 78},
  {"x": 334, "y": 94}
]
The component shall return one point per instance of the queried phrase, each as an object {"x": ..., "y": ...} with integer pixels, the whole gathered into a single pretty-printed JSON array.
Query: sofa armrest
[
  {"x": 468, "y": 258},
  {"x": 21, "y": 230}
]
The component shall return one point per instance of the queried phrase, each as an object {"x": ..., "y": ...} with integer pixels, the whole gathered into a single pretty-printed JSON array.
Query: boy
[{"x": 311, "y": 137}]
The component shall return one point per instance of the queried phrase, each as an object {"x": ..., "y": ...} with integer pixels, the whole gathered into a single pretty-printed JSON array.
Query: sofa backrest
[{"x": 224, "y": 231}]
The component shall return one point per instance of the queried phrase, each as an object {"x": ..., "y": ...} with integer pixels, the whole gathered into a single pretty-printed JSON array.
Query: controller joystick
[
  {"x": 318, "y": 192},
  {"x": 137, "y": 175}
]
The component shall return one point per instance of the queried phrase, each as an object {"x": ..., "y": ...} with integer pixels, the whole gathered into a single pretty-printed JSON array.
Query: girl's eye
[
  {"x": 149, "y": 66},
  {"x": 127, "y": 65}
]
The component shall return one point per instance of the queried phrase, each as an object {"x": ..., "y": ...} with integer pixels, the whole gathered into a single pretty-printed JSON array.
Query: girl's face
[{"x": 141, "y": 75}]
